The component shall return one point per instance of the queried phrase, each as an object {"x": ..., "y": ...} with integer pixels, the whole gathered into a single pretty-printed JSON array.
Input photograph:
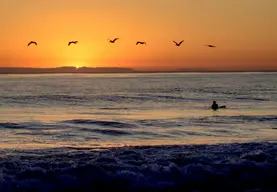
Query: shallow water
[
  {"x": 248, "y": 167},
  {"x": 102, "y": 110}
]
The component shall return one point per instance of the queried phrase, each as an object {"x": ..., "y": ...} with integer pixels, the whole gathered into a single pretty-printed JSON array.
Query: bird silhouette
[
  {"x": 32, "y": 42},
  {"x": 74, "y": 42},
  {"x": 140, "y": 42},
  {"x": 113, "y": 41},
  {"x": 178, "y": 44},
  {"x": 212, "y": 46}
]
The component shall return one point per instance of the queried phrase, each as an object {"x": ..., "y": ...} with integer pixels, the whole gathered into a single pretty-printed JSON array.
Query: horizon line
[{"x": 72, "y": 69}]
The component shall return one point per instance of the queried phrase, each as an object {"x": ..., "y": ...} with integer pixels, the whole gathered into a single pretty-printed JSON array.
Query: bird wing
[
  {"x": 69, "y": 43},
  {"x": 137, "y": 43},
  {"x": 209, "y": 45},
  {"x": 32, "y": 42},
  {"x": 181, "y": 42},
  {"x": 175, "y": 42},
  {"x": 116, "y": 39}
]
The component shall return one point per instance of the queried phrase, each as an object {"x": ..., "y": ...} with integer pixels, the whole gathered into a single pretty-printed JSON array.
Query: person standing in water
[{"x": 214, "y": 105}]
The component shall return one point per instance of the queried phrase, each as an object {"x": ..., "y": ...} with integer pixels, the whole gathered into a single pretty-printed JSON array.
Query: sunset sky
[{"x": 244, "y": 31}]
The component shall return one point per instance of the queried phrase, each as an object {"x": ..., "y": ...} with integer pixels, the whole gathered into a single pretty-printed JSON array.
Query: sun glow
[
  {"x": 244, "y": 40},
  {"x": 77, "y": 64}
]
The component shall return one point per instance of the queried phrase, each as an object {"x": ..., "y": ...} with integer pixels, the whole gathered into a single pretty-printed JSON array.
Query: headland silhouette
[
  {"x": 65, "y": 69},
  {"x": 71, "y": 69}
]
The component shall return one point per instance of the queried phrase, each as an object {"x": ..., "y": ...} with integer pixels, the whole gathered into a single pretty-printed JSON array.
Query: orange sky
[{"x": 245, "y": 32}]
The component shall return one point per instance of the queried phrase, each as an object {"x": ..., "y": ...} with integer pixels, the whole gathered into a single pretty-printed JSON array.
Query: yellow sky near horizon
[{"x": 244, "y": 31}]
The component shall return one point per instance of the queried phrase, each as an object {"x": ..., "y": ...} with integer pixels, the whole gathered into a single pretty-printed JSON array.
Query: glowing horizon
[{"x": 243, "y": 31}]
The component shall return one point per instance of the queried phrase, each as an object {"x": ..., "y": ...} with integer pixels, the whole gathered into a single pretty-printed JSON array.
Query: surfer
[{"x": 216, "y": 107}]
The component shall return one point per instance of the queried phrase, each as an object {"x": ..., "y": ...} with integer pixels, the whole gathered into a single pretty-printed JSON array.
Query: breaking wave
[{"x": 225, "y": 167}]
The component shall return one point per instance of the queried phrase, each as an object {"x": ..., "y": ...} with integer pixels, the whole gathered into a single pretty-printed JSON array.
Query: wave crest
[
  {"x": 226, "y": 167},
  {"x": 100, "y": 123}
]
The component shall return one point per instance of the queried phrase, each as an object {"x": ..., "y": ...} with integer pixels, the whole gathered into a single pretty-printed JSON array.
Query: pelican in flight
[
  {"x": 212, "y": 46},
  {"x": 32, "y": 42},
  {"x": 113, "y": 41},
  {"x": 140, "y": 42},
  {"x": 70, "y": 42},
  {"x": 178, "y": 44}
]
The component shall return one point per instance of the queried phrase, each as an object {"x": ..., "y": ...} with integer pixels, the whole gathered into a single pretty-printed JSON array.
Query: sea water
[
  {"x": 136, "y": 109},
  {"x": 58, "y": 132}
]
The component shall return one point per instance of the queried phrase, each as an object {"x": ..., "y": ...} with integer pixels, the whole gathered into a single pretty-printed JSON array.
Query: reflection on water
[{"x": 143, "y": 109}]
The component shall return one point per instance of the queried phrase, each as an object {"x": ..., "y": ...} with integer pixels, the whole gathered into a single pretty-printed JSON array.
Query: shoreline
[
  {"x": 219, "y": 167},
  {"x": 106, "y": 146}
]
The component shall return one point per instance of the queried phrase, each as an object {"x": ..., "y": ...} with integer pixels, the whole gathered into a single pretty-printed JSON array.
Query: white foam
[{"x": 222, "y": 167}]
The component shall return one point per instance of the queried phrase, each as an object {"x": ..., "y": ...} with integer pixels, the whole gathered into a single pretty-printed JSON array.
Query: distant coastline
[{"x": 89, "y": 70}]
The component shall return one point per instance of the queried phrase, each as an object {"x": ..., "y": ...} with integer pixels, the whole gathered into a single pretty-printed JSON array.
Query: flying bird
[
  {"x": 212, "y": 46},
  {"x": 140, "y": 42},
  {"x": 178, "y": 44},
  {"x": 32, "y": 42},
  {"x": 113, "y": 41},
  {"x": 74, "y": 42}
]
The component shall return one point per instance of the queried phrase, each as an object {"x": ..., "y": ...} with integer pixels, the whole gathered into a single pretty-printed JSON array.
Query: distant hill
[
  {"x": 69, "y": 69},
  {"x": 23, "y": 70}
]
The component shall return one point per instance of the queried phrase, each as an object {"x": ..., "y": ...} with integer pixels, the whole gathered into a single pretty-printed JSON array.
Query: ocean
[{"x": 138, "y": 131}]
